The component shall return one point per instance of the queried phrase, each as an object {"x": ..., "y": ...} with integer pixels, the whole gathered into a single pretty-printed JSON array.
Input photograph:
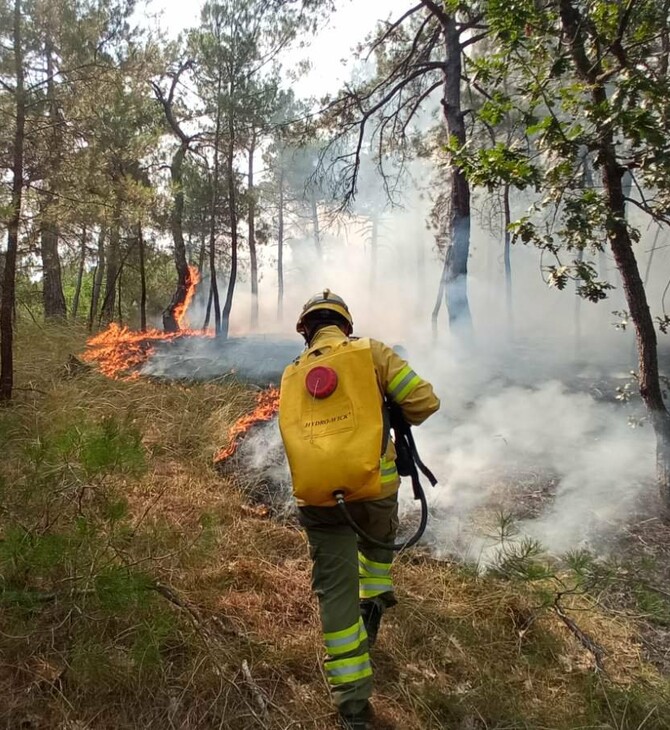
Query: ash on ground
[
  {"x": 261, "y": 470},
  {"x": 258, "y": 360}
]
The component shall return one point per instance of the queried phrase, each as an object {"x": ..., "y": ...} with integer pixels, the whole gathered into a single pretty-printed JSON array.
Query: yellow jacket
[{"x": 396, "y": 380}]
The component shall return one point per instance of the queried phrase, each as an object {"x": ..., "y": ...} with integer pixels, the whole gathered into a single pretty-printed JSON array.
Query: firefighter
[{"x": 336, "y": 436}]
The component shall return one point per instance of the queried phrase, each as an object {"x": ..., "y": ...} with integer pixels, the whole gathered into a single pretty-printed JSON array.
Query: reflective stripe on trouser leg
[
  {"x": 335, "y": 581},
  {"x": 346, "y": 671},
  {"x": 379, "y": 518},
  {"x": 345, "y": 641},
  {"x": 374, "y": 578}
]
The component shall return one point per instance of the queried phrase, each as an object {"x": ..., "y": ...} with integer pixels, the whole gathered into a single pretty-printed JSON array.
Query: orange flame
[
  {"x": 267, "y": 404},
  {"x": 119, "y": 352},
  {"x": 192, "y": 281}
]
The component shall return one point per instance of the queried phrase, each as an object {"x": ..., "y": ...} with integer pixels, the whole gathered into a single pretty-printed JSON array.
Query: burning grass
[
  {"x": 119, "y": 352},
  {"x": 267, "y": 406},
  {"x": 135, "y": 583}
]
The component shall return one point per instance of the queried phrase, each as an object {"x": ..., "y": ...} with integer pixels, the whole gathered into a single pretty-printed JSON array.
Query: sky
[{"x": 330, "y": 49}]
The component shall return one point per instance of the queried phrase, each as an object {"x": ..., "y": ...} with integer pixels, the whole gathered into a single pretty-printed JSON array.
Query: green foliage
[
  {"x": 111, "y": 446},
  {"x": 568, "y": 100},
  {"x": 654, "y": 605},
  {"x": 119, "y": 589},
  {"x": 94, "y": 449},
  {"x": 495, "y": 166}
]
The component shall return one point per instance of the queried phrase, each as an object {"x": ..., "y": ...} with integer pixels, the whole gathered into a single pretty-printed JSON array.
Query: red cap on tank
[{"x": 321, "y": 382}]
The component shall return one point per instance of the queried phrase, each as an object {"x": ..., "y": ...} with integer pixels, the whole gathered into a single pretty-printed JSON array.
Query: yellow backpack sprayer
[{"x": 336, "y": 424}]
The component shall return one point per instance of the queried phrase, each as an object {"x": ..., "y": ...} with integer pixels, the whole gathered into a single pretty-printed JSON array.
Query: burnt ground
[{"x": 258, "y": 360}]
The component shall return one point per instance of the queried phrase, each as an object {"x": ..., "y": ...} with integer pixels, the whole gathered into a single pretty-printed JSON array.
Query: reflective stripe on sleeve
[
  {"x": 343, "y": 671},
  {"x": 389, "y": 472},
  {"x": 347, "y": 640},
  {"x": 403, "y": 384}
]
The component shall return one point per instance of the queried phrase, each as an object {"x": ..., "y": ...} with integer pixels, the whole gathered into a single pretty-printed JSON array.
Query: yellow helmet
[{"x": 325, "y": 300}]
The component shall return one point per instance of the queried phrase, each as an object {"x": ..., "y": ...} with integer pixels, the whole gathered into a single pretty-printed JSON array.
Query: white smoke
[
  {"x": 530, "y": 400},
  {"x": 540, "y": 402}
]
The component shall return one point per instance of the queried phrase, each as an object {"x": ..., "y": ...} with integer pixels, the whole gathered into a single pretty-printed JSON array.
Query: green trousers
[{"x": 347, "y": 570}]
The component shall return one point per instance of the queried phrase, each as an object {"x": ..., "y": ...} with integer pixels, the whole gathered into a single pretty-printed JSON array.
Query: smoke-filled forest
[{"x": 486, "y": 184}]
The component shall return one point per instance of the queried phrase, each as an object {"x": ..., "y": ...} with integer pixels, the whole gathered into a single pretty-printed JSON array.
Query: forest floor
[{"x": 140, "y": 589}]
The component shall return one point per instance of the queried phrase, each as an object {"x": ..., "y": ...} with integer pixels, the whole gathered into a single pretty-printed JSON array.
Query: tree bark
[
  {"x": 97, "y": 278},
  {"x": 80, "y": 274},
  {"x": 170, "y": 323},
  {"x": 143, "y": 279},
  {"x": 456, "y": 262},
  {"x": 507, "y": 257},
  {"x": 52, "y": 284},
  {"x": 9, "y": 274},
  {"x": 52, "y": 287},
  {"x": 208, "y": 310},
  {"x": 578, "y": 310},
  {"x": 112, "y": 267},
  {"x": 119, "y": 300},
  {"x": 214, "y": 290},
  {"x": 253, "y": 257},
  {"x": 232, "y": 204}
]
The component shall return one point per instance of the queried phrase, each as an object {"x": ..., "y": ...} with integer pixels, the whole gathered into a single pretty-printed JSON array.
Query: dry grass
[{"x": 87, "y": 641}]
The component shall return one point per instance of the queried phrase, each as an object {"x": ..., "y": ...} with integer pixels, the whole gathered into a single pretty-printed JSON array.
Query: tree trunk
[
  {"x": 97, "y": 278},
  {"x": 119, "y": 300},
  {"x": 438, "y": 299},
  {"x": 232, "y": 204},
  {"x": 52, "y": 287},
  {"x": 9, "y": 274},
  {"x": 203, "y": 253},
  {"x": 253, "y": 258},
  {"x": 52, "y": 284},
  {"x": 80, "y": 274},
  {"x": 170, "y": 323},
  {"x": 112, "y": 266},
  {"x": 143, "y": 280},
  {"x": 624, "y": 256},
  {"x": 208, "y": 310},
  {"x": 228, "y": 304},
  {"x": 507, "y": 257},
  {"x": 315, "y": 226},
  {"x": 454, "y": 278},
  {"x": 212, "y": 223},
  {"x": 280, "y": 250},
  {"x": 578, "y": 310}
]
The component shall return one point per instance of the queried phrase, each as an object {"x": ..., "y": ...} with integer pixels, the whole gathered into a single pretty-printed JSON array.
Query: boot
[
  {"x": 371, "y": 611},
  {"x": 361, "y": 720}
]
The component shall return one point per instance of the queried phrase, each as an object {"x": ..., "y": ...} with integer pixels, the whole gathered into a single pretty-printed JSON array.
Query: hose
[
  {"x": 339, "y": 498},
  {"x": 405, "y": 443}
]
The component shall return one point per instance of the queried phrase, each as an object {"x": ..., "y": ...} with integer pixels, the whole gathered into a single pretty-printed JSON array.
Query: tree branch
[
  {"x": 436, "y": 10},
  {"x": 394, "y": 26}
]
